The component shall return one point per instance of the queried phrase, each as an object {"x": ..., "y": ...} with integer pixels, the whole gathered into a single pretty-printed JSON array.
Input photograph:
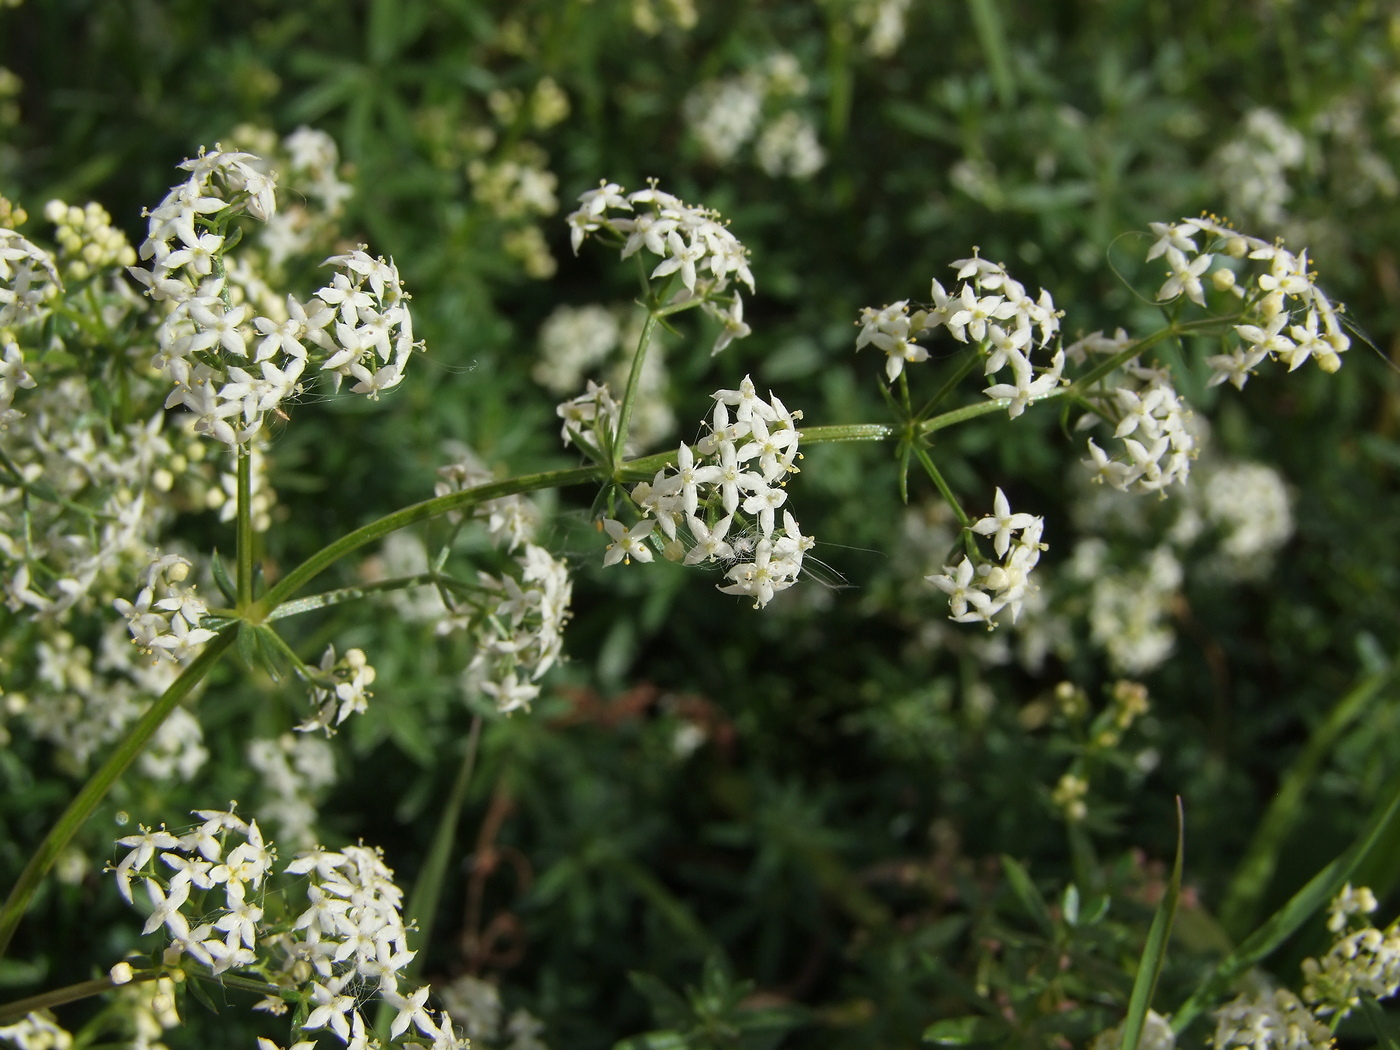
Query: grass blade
[
  {"x": 1254, "y": 873},
  {"x": 1154, "y": 952},
  {"x": 1302, "y": 906}
]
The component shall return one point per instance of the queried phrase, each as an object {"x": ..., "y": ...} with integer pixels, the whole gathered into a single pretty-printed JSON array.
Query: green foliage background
[{"x": 836, "y": 840}]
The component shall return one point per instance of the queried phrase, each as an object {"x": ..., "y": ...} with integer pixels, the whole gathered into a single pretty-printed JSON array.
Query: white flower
[
  {"x": 627, "y": 543},
  {"x": 1002, "y": 523}
]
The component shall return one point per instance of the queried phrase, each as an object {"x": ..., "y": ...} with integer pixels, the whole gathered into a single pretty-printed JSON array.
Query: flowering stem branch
[
  {"x": 245, "y": 528},
  {"x": 349, "y": 594},
  {"x": 100, "y": 783},
  {"x": 624, "y": 418},
  {"x": 968, "y": 363},
  {"x": 947, "y": 493},
  {"x": 12, "y": 1011},
  {"x": 411, "y": 515},
  {"x": 846, "y": 432}
]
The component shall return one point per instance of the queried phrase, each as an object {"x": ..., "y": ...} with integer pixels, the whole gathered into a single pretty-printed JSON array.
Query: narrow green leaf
[
  {"x": 991, "y": 34},
  {"x": 427, "y": 888},
  {"x": 197, "y": 989},
  {"x": 222, "y": 580},
  {"x": 1382, "y": 1025},
  {"x": 1154, "y": 952},
  {"x": 248, "y": 645},
  {"x": 959, "y": 1031},
  {"x": 1028, "y": 895},
  {"x": 1320, "y": 889},
  {"x": 1256, "y": 870}
]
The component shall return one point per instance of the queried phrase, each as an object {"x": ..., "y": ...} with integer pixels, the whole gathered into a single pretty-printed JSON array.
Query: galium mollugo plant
[{"x": 233, "y": 355}]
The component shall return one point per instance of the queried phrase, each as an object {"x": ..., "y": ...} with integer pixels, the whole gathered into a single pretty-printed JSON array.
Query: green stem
[
  {"x": 937, "y": 476},
  {"x": 99, "y": 784},
  {"x": 968, "y": 363},
  {"x": 427, "y": 890},
  {"x": 845, "y": 432},
  {"x": 411, "y": 515},
  {"x": 961, "y": 415},
  {"x": 245, "y": 528},
  {"x": 13, "y": 1011},
  {"x": 624, "y": 419},
  {"x": 550, "y": 479},
  {"x": 349, "y": 594}
]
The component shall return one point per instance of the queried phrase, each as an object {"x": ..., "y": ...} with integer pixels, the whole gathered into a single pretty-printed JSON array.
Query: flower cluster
[
  {"x": 348, "y": 944},
  {"x": 164, "y": 619},
  {"x": 14, "y": 377},
  {"x": 1285, "y": 315},
  {"x": 741, "y": 465},
  {"x": 516, "y": 619},
  {"x": 1153, "y": 423},
  {"x": 475, "y": 1004},
  {"x": 316, "y": 191},
  {"x": 203, "y": 869},
  {"x": 510, "y": 520},
  {"x": 232, "y": 364},
  {"x": 723, "y": 115},
  {"x": 1156, "y": 1034},
  {"x": 339, "y": 689},
  {"x": 1362, "y": 960},
  {"x": 590, "y": 420},
  {"x": 574, "y": 339},
  {"x": 37, "y": 1031},
  {"x": 518, "y": 624},
  {"x": 977, "y": 592},
  {"x": 293, "y": 770},
  {"x": 991, "y": 310},
  {"x": 692, "y": 242},
  {"x": 1275, "y": 1020},
  {"x": 28, "y": 280}
]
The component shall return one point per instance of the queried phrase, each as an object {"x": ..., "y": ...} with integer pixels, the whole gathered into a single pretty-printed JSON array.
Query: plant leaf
[
  {"x": 1154, "y": 952},
  {"x": 1029, "y": 896},
  {"x": 959, "y": 1031}
]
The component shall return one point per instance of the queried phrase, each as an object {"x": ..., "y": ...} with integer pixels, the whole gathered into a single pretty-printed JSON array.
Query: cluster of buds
[
  {"x": 339, "y": 689},
  {"x": 1286, "y": 316}
]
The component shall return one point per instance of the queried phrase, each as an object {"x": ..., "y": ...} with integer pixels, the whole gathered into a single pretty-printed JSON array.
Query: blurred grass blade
[
  {"x": 1252, "y": 877},
  {"x": 1029, "y": 896},
  {"x": 1154, "y": 952},
  {"x": 1381, "y": 1025},
  {"x": 1304, "y": 904},
  {"x": 427, "y": 888},
  {"x": 986, "y": 19}
]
